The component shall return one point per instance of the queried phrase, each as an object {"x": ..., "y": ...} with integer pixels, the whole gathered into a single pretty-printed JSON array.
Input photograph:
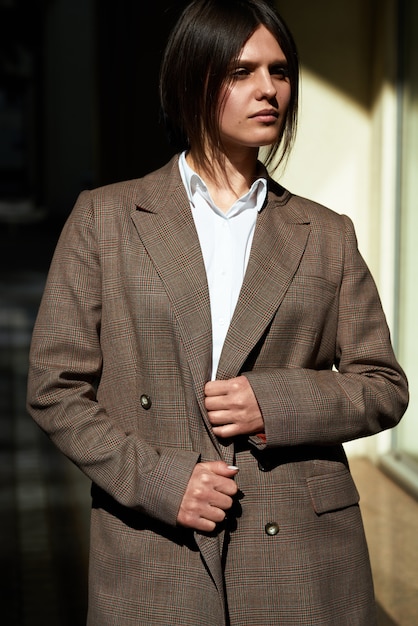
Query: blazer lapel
[
  {"x": 171, "y": 240},
  {"x": 279, "y": 243}
]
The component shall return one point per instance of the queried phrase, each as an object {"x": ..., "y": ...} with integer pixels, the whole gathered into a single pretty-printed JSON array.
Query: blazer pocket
[{"x": 330, "y": 492}]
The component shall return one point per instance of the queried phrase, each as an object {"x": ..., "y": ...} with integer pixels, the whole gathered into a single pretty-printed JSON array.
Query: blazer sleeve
[
  {"x": 364, "y": 393},
  {"x": 65, "y": 365}
]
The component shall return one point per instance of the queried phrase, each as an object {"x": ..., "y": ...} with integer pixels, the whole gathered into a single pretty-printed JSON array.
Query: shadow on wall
[{"x": 346, "y": 43}]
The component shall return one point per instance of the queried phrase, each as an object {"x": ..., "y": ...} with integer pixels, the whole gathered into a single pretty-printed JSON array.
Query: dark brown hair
[{"x": 207, "y": 38}]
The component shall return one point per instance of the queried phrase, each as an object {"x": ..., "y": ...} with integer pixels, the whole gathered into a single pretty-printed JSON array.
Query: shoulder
[
  {"x": 128, "y": 194},
  {"x": 308, "y": 210}
]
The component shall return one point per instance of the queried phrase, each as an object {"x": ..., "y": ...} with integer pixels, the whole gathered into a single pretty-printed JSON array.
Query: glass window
[{"x": 405, "y": 440}]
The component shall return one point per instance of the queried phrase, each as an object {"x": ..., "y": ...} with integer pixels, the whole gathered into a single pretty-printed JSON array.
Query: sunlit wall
[{"x": 346, "y": 150}]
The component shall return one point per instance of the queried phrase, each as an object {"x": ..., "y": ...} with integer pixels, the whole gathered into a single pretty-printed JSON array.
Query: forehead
[{"x": 262, "y": 45}]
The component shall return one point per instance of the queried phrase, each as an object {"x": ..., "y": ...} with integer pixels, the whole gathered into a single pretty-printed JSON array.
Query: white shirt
[{"x": 225, "y": 240}]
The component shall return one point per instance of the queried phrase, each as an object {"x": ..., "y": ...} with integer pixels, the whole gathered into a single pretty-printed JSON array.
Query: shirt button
[
  {"x": 272, "y": 528},
  {"x": 146, "y": 402}
]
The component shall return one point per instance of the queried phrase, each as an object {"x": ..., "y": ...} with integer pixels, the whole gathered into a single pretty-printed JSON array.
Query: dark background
[{"x": 79, "y": 108}]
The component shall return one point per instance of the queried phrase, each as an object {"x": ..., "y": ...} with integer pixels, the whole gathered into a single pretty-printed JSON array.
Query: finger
[
  {"x": 226, "y": 431},
  {"x": 220, "y": 501},
  {"x": 220, "y": 468},
  {"x": 218, "y": 418},
  {"x": 216, "y": 403},
  {"x": 198, "y": 522},
  {"x": 226, "y": 488},
  {"x": 216, "y": 387},
  {"x": 221, "y": 479}
]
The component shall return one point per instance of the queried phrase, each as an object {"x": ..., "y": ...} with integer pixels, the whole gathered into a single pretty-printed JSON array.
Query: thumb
[{"x": 222, "y": 469}]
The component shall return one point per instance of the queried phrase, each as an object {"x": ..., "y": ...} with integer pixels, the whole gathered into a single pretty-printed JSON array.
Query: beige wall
[
  {"x": 345, "y": 153},
  {"x": 407, "y": 436}
]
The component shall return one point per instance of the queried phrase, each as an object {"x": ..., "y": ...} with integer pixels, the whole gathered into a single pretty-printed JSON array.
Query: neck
[{"x": 227, "y": 181}]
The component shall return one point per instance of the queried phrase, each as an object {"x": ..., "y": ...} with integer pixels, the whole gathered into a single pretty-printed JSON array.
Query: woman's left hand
[{"x": 233, "y": 408}]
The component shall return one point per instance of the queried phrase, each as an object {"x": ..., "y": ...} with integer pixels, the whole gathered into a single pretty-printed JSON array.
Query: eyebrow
[{"x": 247, "y": 63}]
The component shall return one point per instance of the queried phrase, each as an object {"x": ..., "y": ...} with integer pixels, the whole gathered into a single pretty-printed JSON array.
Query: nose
[{"x": 265, "y": 86}]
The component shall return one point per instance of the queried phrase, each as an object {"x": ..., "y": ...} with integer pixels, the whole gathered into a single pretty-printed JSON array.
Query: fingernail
[{"x": 233, "y": 467}]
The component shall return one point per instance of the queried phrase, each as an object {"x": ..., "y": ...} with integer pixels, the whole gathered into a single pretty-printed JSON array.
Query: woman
[{"x": 206, "y": 343}]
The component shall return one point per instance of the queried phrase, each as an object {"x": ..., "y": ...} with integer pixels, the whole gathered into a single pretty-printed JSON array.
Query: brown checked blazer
[{"x": 120, "y": 354}]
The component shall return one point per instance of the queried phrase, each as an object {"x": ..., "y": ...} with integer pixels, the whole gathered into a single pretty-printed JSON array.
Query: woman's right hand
[{"x": 208, "y": 496}]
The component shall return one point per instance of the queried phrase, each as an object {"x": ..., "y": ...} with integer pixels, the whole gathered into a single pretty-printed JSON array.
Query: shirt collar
[{"x": 194, "y": 184}]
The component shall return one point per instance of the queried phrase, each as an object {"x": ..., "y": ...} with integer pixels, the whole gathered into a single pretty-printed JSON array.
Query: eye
[
  {"x": 239, "y": 72},
  {"x": 281, "y": 71}
]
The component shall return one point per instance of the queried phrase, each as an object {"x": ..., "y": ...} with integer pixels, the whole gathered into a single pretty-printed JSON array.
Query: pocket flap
[{"x": 330, "y": 492}]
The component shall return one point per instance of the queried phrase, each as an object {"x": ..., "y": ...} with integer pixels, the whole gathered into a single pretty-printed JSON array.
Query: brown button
[
  {"x": 146, "y": 402},
  {"x": 272, "y": 528}
]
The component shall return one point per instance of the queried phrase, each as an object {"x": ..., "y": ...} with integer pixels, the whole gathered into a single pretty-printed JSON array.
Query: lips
[{"x": 266, "y": 115}]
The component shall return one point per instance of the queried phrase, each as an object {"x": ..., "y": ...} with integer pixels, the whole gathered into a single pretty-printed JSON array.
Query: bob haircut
[{"x": 196, "y": 66}]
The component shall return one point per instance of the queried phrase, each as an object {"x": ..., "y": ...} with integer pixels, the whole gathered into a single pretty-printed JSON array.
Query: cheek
[
  {"x": 284, "y": 95},
  {"x": 230, "y": 113}
]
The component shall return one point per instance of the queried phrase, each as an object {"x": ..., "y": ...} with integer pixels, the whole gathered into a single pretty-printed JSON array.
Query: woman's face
[{"x": 255, "y": 102}]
